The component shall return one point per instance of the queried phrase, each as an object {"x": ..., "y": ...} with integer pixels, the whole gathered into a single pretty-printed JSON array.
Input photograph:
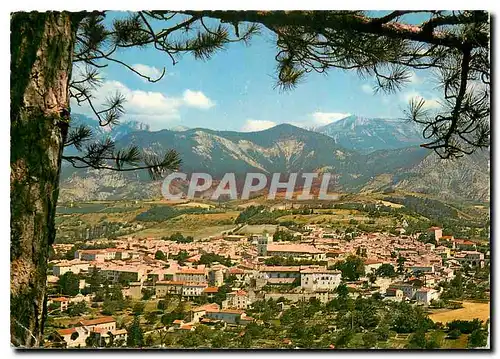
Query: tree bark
[{"x": 41, "y": 61}]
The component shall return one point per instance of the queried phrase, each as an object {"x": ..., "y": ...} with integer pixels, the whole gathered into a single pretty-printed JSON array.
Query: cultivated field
[{"x": 470, "y": 311}]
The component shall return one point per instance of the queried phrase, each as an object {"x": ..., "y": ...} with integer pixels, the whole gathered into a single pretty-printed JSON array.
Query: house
[
  {"x": 62, "y": 303},
  {"x": 93, "y": 255},
  {"x": 464, "y": 244},
  {"x": 194, "y": 289},
  {"x": 394, "y": 294},
  {"x": 421, "y": 268},
  {"x": 371, "y": 265},
  {"x": 425, "y": 295},
  {"x": 238, "y": 299},
  {"x": 472, "y": 258},
  {"x": 320, "y": 279},
  {"x": 210, "y": 292},
  {"x": 280, "y": 272},
  {"x": 134, "y": 291},
  {"x": 103, "y": 337},
  {"x": 230, "y": 316},
  {"x": 71, "y": 337},
  {"x": 115, "y": 273},
  {"x": 162, "y": 288},
  {"x": 191, "y": 275},
  {"x": 197, "y": 313},
  {"x": 74, "y": 266},
  {"x": 408, "y": 289},
  {"x": 76, "y": 336},
  {"x": 296, "y": 250},
  {"x": 437, "y": 231}
]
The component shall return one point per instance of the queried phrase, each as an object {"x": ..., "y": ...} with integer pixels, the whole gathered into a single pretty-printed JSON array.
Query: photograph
[{"x": 222, "y": 180}]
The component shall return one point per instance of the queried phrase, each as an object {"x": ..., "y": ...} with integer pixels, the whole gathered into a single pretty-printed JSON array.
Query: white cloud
[
  {"x": 367, "y": 89},
  {"x": 414, "y": 79},
  {"x": 150, "y": 71},
  {"x": 324, "y": 118},
  {"x": 318, "y": 119},
  {"x": 257, "y": 125},
  {"x": 430, "y": 102},
  {"x": 150, "y": 107},
  {"x": 197, "y": 99}
]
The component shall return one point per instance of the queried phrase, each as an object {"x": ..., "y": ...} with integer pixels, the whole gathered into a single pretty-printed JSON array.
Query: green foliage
[
  {"x": 209, "y": 258},
  {"x": 352, "y": 268},
  {"x": 69, "y": 284},
  {"x": 259, "y": 215},
  {"x": 179, "y": 238},
  {"x": 135, "y": 337},
  {"x": 386, "y": 270},
  {"x": 465, "y": 326},
  {"x": 280, "y": 235},
  {"x": 290, "y": 261},
  {"x": 138, "y": 308},
  {"x": 369, "y": 340},
  {"x": 77, "y": 309},
  {"x": 454, "y": 334},
  {"x": 147, "y": 293},
  {"x": 409, "y": 319},
  {"x": 181, "y": 256},
  {"x": 163, "y": 213},
  {"x": 478, "y": 338},
  {"x": 159, "y": 255}
]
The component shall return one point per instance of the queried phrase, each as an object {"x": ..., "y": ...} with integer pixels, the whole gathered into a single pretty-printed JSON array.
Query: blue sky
[{"x": 234, "y": 90}]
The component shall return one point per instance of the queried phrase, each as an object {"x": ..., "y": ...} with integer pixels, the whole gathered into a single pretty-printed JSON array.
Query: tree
[
  {"x": 352, "y": 268},
  {"x": 369, "y": 340},
  {"x": 386, "y": 270},
  {"x": 135, "y": 334},
  {"x": 417, "y": 340},
  {"x": 77, "y": 309},
  {"x": 69, "y": 284},
  {"x": 159, "y": 255},
  {"x": 44, "y": 47},
  {"x": 401, "y": 264},
  {"x": 138, "y": 308},
  {"x": 478, "y": 338}
]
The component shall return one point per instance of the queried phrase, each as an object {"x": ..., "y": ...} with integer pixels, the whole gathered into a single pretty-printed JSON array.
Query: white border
[{"x": 9, "y": 6}]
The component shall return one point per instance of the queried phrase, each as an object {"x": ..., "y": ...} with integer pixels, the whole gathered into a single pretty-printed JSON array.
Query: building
[
  {"x": 74, "y": 266},
  {"x": 116, "y": 273},
  {"x": 438, "y": 233},
  {"x": 230, "y": 316},
  {"x": 162, "y": 288},
  {"x": 394, "y": 294},
  {"x": 197, "y": 313},
  {"x": 194, "y": 289},
  {"x": 472, "y": 258},
  {"x": 320, "y": 279},
  {"x": 296, "y": 250},
  {"x": 408, "y": 289},
  {"x": 426, "y": 295},
  {"x": 62, "y": 303},
  {"x": 104, "y": 328},
  {"x": 191, "y": 275},
  {"x": 263, "y": 243},
  {"x": 237, "y": 299},
  {"x": 371, "y": 265}
]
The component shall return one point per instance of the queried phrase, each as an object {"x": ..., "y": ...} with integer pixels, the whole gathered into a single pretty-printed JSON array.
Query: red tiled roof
[
  {"x": 102, "y": 320},
  {"x": 66, "y": 331},
  {"x": 211, "y": 290},
  {"x": 170, "y": 282},
  {"x": 60, "y": 299}
]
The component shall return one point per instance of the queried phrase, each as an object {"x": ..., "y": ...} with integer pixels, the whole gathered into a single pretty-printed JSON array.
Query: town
[{"x": 226, "y": 290}]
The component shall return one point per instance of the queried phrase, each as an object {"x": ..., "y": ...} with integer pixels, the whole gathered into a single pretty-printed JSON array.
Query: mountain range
[{"x": 365, "y": 154}]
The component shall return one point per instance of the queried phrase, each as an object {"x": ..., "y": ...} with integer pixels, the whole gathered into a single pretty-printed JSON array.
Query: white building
[{"x": 315, "y": 279}]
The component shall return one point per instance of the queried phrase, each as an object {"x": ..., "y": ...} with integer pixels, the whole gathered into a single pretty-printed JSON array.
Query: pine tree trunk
[{"x": 41, "y": 61}]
